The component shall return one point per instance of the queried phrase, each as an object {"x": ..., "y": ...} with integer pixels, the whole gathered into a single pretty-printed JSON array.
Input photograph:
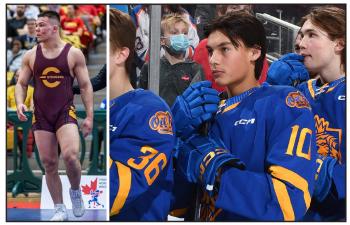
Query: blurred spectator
[
  {"x": 15, "y": 25},
  {"x": 11, "y": 102},
  {"x": 29, "y": 39},
  {"x": 89, "y": 14},
  {"x": 11, "y": 105},
  {"x": 72, "y": 25},
  {"x": 192, "y": 32},
  {"x": 203, "y": 15},
  {"x": 15, "y": 55},
  {"x": 141, "y": 18},
  {"x": 32, "y": 11},
  {"x": 176, "y": 72}
]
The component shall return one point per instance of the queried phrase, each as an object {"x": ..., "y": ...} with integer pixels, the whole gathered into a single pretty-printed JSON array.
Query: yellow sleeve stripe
[
  {"x": 110, "y": 162},
  {"x": 311, "y": 90},
  {"x": 124, "y": 174},
  {"x": 283, "y": 200},
  {"x": 231, "y": 107},
  {"x": 178, "y": 212},
  {"x": 294, "y": 179}
]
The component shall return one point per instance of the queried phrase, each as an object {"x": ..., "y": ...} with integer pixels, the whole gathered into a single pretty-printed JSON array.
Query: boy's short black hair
[
  {"x": 51, "y": 15},
  {"x": 242, "y": 26}
]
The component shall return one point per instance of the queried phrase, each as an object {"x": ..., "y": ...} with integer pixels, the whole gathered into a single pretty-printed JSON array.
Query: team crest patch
[
  {"x": 161, "y": 122},
  {"x": 328, "y": 140},
  {"x": 296, "y": 99}
]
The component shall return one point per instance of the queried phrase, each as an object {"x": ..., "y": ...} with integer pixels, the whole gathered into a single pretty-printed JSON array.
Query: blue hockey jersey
[
  {"x": 328, "y": 105},
  {"x": 140, "y": 165},
  {"x": 271, "y": 129}
]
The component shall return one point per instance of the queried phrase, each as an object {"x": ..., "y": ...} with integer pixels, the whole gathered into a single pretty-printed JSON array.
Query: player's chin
[{"x": 220, "y": 81}]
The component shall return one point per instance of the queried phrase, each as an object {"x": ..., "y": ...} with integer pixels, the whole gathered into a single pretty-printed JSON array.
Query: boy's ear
[
  {"x": 254, "y": 54},
  {"x": 339, "y": 44},
  {"x": 122, "y": 55}
]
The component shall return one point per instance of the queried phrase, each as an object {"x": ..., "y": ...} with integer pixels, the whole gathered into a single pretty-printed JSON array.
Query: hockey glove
[
  {"x": 200, "y": 158},
  {"x": 324, "y": 177},
  {"x": 195, "y": 106},
  {"x": 288, "y": 70}
]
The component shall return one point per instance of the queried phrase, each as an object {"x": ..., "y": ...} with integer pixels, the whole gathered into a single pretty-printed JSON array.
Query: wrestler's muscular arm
[
  {"x": 22, "y": 83},
  {"x": 81, "y": 72}
]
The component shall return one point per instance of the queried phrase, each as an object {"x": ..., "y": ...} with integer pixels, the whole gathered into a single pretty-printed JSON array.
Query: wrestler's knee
[
  {"x": 50, "y": 164},
  {"x": 70, "y": 156}
]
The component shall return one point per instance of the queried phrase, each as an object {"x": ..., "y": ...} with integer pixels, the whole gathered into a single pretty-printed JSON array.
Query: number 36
[{"x": 150, "y": 162}]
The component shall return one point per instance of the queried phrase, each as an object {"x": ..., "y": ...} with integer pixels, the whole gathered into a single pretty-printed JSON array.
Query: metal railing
[{"x": 286, "y": 35}]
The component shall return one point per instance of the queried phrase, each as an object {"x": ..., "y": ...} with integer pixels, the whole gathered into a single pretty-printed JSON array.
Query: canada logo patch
[
  {"x": 161, "y": 122},
  {"x": 296, "y": 99}
]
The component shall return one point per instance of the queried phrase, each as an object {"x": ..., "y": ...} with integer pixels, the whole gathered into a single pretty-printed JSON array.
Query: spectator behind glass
[
  {"x": 15, "y": 55},
  {"x": 15, "y": 25},
  {"x": 29, "y": 39},
  {"x": 141, "y": 17},
  {"x": 176, "y": 72},
  {"x": 201, "y": 53}
]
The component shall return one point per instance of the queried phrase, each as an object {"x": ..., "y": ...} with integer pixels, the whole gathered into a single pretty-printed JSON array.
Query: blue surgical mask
[{"x": 178, "y": 43}]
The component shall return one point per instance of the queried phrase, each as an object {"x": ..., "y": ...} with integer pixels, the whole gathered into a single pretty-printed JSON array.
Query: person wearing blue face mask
[
  {"x": 176, "y": 71},
  {"x": 178, "y": 44}
]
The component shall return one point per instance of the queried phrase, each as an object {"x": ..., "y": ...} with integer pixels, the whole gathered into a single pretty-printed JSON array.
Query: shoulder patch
[
  {"x": 161, "y": 122},
  {"x": 296, "y": 99}
]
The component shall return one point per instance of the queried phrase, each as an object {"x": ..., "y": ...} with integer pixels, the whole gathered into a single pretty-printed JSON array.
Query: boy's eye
[
  {"x": 224, "y": 49},
  {"x": 312, "y": 35}
]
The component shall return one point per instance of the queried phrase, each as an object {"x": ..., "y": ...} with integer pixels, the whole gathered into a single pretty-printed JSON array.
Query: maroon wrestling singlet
[{"x": 53, "y": 95}]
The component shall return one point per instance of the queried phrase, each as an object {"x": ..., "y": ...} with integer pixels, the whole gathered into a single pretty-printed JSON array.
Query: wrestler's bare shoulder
[
  {"x": 29, "y": 56},
  {"x": 75, "y": 55}
]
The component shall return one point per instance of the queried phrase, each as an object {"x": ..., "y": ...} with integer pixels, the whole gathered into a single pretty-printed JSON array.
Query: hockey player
[
  {"x": 141, "y": 137},
  {"x": 322, "y": 52},
  {"x": 258, "y": 160}
]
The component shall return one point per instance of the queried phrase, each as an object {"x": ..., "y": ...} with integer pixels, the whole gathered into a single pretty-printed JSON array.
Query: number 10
[{"x": 302, "y": 137}]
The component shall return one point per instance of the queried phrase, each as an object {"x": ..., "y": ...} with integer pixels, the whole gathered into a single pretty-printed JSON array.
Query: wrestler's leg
[
  {"x": 47, "y": 146},
  {"x": 68, "y": 138}
]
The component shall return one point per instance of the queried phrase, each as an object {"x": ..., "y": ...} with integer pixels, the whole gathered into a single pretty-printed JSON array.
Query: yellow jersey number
[
  {"x": 299, "y": 151},
  {"x": 151, "y": 160}
]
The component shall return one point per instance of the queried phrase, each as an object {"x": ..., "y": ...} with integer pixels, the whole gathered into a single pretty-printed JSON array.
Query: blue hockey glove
[
  {"x": 288, "y": 70},
  {"x": 196, "y": 105},
  {"x": 324, "y": 177},
  {"x": 199, "y": 158}
]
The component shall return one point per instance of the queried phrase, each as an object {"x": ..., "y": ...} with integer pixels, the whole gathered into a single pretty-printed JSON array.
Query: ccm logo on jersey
[
  {"x": 341, "y": 97},
  {"x": 244, "y": 122}
]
